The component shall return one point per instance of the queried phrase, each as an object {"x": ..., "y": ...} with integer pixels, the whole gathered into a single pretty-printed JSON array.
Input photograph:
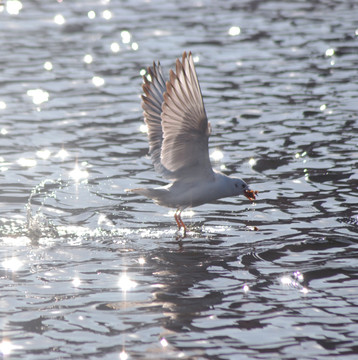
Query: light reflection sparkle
[
  {"x": 48, "y": 66},
  {"x": 107, "y": 14},
  {"x": 38, "y": 96},
  {"x": 164, "y": 342},
  {"x": 88, "y": 59},
  {"x": 13, "y": 7},
  {"x": 25, "y": 162},
  {"x": 43, "y": 154},
  {"x": 217, "y": 155},
  {"x": 59, "y": 19},
  {"x": 126, "y": 36},
  {"x": 329, "y": 52},
  {"x": 12, "y": 264},
  {"x": 115, "y": 47},
  {"x": 6, "y": 347},
  {"x": 123, "y": 355},
  {"x": 91, "y": 14},
  {"x": 77, "y": 174},
  {"x": 125, "y": 283},
  {"x": 141, "y": 261},
  {"x": 234, "y": 31},
  {"x": 252, "y": 162},
  {"x": 62, "y": 154},
  {"x": 76, "y": 282},
  {"x": 98, "y": 81},
  {"x": 143, "y": 128},
  {"x": 285, "y": 280}
]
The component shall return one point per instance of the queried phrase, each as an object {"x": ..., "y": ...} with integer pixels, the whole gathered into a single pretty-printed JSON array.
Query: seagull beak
[{"x": 251, "y": 194}]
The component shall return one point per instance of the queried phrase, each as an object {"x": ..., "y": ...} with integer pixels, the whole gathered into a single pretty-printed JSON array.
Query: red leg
[
  {"x": 177, "y": 219},
  {"x": 182, "y": 222}
]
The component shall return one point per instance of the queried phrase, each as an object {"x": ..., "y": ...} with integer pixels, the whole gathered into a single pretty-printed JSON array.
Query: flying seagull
[{"x": 178, "y": 132}]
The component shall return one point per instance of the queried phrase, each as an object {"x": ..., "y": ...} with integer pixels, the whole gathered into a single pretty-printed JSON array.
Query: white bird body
[
  {"x": 182, "y": 194},
  {"x": 178, "y": 132}
]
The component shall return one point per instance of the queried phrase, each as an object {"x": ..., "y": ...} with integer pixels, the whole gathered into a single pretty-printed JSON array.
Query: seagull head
[{"x": 241, "y": 188}]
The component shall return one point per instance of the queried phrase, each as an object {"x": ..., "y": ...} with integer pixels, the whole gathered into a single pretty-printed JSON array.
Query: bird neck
[{"x": 223, "y": 185}]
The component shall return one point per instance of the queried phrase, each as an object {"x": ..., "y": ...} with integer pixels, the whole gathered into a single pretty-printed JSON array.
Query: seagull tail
[
  {"x": 158, "y": 195},
  {"x": 149, "y": 193}
]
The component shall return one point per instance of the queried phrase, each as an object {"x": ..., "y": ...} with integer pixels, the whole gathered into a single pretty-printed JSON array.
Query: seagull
[{"x": 178, "y": 134}]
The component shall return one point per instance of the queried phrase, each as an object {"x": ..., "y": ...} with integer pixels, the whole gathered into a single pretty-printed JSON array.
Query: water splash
[{"x": 38, "y": 225}]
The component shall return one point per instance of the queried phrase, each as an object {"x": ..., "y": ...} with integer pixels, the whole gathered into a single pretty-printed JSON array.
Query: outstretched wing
[
  {"x": 185, "y": 126},
  {"x": 152, "y": 101},
  {"x": 178, "y": 128}
]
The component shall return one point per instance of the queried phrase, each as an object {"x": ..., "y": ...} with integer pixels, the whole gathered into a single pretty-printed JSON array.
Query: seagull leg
[
  {"x": 181, "y": 222},
  {"x": 177, "y": 217}
]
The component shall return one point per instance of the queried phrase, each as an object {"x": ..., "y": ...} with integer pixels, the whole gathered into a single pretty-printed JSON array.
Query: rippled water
[{"x": 90, "y": 272}]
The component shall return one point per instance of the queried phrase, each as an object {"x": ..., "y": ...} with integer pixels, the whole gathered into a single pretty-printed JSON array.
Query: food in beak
[{"x": 251, "y": 194}]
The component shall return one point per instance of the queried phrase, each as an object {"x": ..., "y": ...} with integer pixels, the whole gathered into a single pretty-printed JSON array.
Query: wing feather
[
  {"x": 178, "y": 128},
  {"x": 152, "y": 101},
  {"x": 185, "y": 125}
]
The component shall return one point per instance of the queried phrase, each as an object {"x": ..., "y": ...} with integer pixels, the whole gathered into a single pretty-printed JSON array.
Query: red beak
[{"x": 251, "y": 194}]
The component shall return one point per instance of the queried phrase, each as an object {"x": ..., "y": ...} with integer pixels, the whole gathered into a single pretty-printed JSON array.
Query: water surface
[{"x": 88, "y": 271}]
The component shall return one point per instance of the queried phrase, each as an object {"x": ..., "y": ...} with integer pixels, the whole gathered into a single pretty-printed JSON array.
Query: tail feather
[{"x": 155, "y": 194}]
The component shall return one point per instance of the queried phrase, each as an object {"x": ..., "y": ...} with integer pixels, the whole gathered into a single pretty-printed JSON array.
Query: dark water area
[{"x": 88, "y": 271}]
